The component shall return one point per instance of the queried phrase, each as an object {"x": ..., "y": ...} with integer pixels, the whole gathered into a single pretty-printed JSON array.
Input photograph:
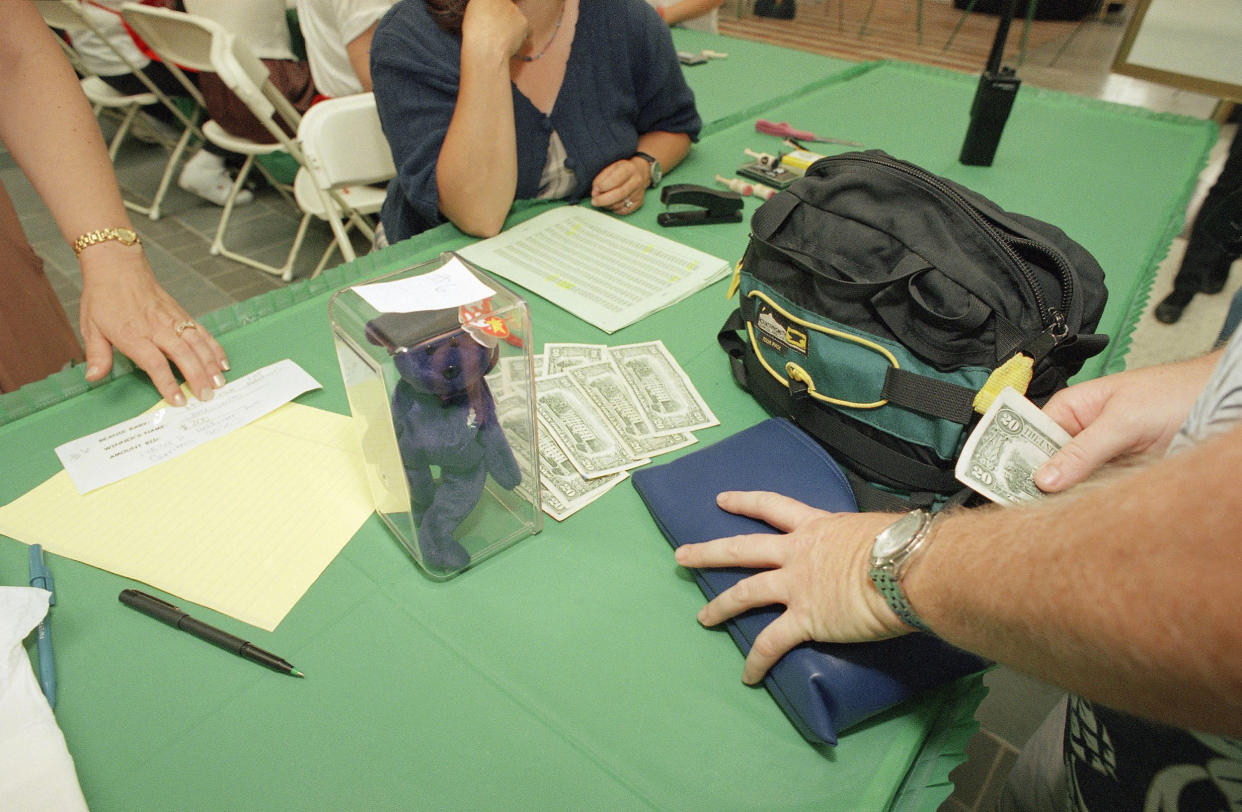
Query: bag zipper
[{"x": 1053, "y": 318}]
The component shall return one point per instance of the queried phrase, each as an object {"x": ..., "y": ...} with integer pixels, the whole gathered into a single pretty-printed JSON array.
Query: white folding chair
[
  {"x": 201, "y": 44},
  {"x": 69, "y": 15},
  {"x": 344, "y": 150}
]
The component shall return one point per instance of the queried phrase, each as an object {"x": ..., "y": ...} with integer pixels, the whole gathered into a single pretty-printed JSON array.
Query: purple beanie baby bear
[{"x": 444, "y": 416}]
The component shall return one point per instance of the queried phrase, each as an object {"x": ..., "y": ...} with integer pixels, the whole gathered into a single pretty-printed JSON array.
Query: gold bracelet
[{"x": 125, "y": 236}]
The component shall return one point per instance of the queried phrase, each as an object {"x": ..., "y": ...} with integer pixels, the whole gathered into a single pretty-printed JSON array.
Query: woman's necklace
[{"x": 551, "y": 39}]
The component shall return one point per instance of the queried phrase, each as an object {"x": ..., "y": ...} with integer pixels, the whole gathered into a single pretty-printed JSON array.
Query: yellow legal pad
[{"x": 243, "y": 524}]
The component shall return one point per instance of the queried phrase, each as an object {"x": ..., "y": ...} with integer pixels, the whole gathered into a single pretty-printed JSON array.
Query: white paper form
[
  {"x": 451, "y": 285},
  {"x": 134, "y": 445},
  {"x": 604, "y": 271}
]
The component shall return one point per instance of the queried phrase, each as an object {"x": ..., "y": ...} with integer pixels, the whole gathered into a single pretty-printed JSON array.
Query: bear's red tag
[{"x": 479, "y": 320}]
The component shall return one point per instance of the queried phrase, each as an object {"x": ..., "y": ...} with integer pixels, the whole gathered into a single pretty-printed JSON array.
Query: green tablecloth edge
[
  {"x": 67, "y": 383},
  {"x": 927, "y": 785},
  {"x": 70, "y": 382},
  {"x": 1119, "y": 347}
]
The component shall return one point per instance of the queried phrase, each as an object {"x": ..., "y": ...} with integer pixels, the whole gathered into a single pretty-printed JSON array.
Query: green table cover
[{"x": 568, "y": 671}]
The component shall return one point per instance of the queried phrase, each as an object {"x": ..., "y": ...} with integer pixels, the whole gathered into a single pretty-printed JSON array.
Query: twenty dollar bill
[{"x": 1009, "y": 445}]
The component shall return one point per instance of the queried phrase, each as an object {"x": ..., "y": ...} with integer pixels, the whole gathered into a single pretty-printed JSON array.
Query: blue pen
[{"x": 41, "y": 578}]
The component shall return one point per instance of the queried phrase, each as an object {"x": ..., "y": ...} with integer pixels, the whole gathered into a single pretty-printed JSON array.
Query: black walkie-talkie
[{"x": 993, "y": 100}]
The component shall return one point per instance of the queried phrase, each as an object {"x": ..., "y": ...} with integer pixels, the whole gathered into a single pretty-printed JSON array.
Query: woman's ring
[
  {"x": 629, "y": 204},
  {"x": 182, "y": 326}
]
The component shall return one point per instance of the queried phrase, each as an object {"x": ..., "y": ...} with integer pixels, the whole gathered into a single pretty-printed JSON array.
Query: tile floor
[
  {"x": 178, "y": 247},
  {"x": 178, "y": 242}
]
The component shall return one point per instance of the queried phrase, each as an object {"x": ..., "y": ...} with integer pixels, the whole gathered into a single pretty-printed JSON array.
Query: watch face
[
  {"x": 896, "y": 536},
  {"x": 657, "y": 172}
]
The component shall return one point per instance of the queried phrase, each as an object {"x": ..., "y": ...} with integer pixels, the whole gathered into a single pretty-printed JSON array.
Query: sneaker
[{"x": 204, "y": 175}]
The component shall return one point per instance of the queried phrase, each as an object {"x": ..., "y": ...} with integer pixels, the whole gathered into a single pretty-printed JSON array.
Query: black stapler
[{"x": 714, "y": 205}]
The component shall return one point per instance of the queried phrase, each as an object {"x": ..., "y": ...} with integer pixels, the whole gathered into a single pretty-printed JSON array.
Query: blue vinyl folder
[{"x": 823, "y": 688}]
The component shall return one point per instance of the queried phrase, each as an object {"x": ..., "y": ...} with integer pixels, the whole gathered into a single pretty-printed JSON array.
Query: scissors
[{"x": 785, "y": 131}]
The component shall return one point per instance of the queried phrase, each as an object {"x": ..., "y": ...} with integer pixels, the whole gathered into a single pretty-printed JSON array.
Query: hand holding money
[{"x": 1013, "y": 439}]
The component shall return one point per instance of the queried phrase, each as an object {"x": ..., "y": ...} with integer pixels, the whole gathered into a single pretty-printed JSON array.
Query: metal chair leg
[
  {"x": 960, "y": 21},
  {"x": 866, "y": 19},
  {"x": 122, "y": 131},
  {"x": 1026, "y": 30}
]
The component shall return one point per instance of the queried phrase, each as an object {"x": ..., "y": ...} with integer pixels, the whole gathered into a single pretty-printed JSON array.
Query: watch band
[
  {"x": 886, "y": 573},
  {"x": 657, "y": 171},
  {"x": 125, "y": 236}
]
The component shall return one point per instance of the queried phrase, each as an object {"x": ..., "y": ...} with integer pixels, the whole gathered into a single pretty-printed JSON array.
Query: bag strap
[
  {"x": 877, "y": 459},
  {"x": 941, "y": 399},
  {"x": 919, "y": 393},
  {"x": 871, "y": 499},
  {"x": 730, "y": 340},
  {"x": 771, "y": 215},
  {"x": 881, "y": 463},
  {"x": 886, "y": 464}
]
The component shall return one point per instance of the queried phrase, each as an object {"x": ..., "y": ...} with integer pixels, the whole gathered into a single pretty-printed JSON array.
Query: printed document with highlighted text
[{"x": 602, "y": 270}]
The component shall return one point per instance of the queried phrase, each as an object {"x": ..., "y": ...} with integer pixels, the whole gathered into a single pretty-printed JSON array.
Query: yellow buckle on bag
[
  {"x": 736, "y": 281},
  {"x": 797, "y": 373},
  {"x": 1015, "y": 372}
]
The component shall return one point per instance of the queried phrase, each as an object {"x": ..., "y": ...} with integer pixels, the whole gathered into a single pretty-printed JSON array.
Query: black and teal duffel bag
[{"x": 882, "y": 307}]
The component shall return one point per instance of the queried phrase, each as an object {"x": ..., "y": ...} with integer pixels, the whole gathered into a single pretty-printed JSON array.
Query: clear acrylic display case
[{"x": 437, "y": 361}]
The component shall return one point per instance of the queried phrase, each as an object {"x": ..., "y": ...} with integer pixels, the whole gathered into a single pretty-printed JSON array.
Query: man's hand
[
  {"x": 1130, "y": 413},
  {"x": 816, "y": 567}
]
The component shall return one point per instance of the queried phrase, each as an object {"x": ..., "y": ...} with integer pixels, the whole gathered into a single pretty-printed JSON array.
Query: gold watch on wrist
[{"x": 125, "y": 236}]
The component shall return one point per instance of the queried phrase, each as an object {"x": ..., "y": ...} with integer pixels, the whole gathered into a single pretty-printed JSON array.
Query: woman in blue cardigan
[{"x": 488, "y": 101}]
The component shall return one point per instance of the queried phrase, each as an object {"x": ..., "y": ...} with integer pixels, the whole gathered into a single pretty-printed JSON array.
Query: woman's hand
[
  {"x": 620, "y": 186},
  {"x": 123, "y": 306},
  {"x": 494, "y": 26}
]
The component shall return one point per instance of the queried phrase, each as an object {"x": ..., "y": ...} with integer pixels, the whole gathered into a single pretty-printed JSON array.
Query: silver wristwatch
[
  {"x": 891, "y": 554},
  {"x": 657, "y": 172}
]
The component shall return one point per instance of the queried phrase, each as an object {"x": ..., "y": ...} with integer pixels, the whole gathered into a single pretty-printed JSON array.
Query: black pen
[{"x": 166, "y": 612}]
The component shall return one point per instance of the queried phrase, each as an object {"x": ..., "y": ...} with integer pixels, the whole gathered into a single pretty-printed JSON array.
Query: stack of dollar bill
[
  {"x": 1013, "y": 439},
  {"x": 603, "y": 411}
]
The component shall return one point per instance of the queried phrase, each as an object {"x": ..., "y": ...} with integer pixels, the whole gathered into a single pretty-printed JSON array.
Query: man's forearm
[{"x": 1125, "y": 592}]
